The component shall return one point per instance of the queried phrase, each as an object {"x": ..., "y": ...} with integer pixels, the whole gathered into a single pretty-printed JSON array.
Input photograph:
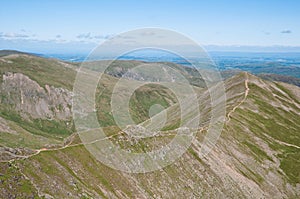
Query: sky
[{"x": 78, "y": 26}]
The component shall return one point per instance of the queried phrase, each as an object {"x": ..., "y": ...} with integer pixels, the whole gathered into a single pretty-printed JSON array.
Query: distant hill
[
  {"x": 280, "y": 78},
  {"x": 267, "y": 76},
  {"x": 12, "y": 52}
]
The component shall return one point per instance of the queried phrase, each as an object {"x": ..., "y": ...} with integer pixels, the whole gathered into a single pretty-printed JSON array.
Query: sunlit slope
[
  {"x": 35, "y": 108},
  {"x": 257, "y": 156},
  {"x": 36, "y": 99}
]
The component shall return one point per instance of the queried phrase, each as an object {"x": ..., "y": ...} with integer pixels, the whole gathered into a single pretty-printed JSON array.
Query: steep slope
[
  {"x": 35, "y": 96},
  {"x": 270, "y": 116},
  {"x": 257, "y": 156}
]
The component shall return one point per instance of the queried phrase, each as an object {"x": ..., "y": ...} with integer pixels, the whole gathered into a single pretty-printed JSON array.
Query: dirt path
[
  {"x": 281, "y": 142},
  {"x": 69, "y": 144},
  {"x": 38, "y": 151},
  {"x": 241, "y": 102},
  {"x": 245, "y": 96}
]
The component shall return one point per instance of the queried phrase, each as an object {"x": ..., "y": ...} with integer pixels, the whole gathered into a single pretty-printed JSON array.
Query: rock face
[{"x": 31, "y": 100}]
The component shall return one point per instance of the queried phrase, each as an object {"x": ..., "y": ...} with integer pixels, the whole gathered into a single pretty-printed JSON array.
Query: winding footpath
[
  {"x": 69, "y": 144},
  {"x": 281, "y": 142},
  {"x": 242, "y": 101}
]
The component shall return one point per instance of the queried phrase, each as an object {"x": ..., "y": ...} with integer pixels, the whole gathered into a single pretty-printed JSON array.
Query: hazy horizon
[{"x": 78, "y": 27}]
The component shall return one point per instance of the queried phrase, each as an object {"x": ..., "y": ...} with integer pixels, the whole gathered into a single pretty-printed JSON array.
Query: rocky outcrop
[
  {"x": 7, "y": 153},
  {"x": 31, "y": 100}
]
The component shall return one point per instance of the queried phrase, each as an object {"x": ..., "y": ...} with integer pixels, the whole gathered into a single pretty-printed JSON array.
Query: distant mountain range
[{"x": 283, "y": 67}]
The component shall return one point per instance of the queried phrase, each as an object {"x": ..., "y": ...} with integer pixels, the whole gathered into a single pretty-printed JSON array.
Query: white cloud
[
  {"x": 84, "y": 36},
  {"x": 15, "y": 35},
  {"x": 90, "y": 36}
]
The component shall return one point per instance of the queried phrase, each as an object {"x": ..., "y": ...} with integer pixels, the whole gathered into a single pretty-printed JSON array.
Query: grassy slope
[
  {"x": 141, "y": 100},
  {"x": 252, "y": 145},
  {"x": 246, "y": 151},
  {"x": 270, "y": 113},
  {"x": 35, "y": 133},
  {"x": 13, "y": 184},
  {"x": 44, "y": 71},
  {"x": 273, "y": 123}
]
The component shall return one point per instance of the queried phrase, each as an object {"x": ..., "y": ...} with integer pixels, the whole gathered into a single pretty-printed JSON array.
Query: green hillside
[{"x": 256, "y": 156}]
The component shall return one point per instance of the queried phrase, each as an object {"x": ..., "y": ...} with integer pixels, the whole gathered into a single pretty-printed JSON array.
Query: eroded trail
[
  {"x": 69, "y": 144},
  {"x": 281, "y": 142},
  {"x": 242, "y": 101}
]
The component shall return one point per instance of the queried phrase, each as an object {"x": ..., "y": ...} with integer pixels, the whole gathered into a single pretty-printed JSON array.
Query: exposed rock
[
  {"x": 4, "y": 127},
  {"x": 7, "y": 153},
  {"x": 28, "y": 97}
]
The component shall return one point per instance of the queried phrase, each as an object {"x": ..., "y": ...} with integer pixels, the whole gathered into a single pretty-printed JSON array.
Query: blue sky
[{"x": 55, "y": 26}]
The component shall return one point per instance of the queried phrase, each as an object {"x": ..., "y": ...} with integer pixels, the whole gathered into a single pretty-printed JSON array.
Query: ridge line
[{"x": 241, "y": 102}]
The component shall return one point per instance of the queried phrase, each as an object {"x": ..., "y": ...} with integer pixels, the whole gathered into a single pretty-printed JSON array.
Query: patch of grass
[
  {"x": 194, "y": 154},
  {"x": 140, "y": 102},
  {"x": 279, "y": 124},
  {"x": 290, "y": 164},
  {"x": 257, "y": 151},
  {"x": 171, "y": 126},
  {"x": 288, "y": 92},
  {"x": 146, "y": 96},
  {"x": 44, "y": 127},
  {"x": 50, "y": 71},
  {"x": 248, "y": 173},
  {"x": 13, "y": 184}
]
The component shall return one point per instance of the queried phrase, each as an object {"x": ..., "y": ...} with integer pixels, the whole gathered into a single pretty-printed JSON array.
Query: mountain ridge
[{"x": 256, "y": 156}]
